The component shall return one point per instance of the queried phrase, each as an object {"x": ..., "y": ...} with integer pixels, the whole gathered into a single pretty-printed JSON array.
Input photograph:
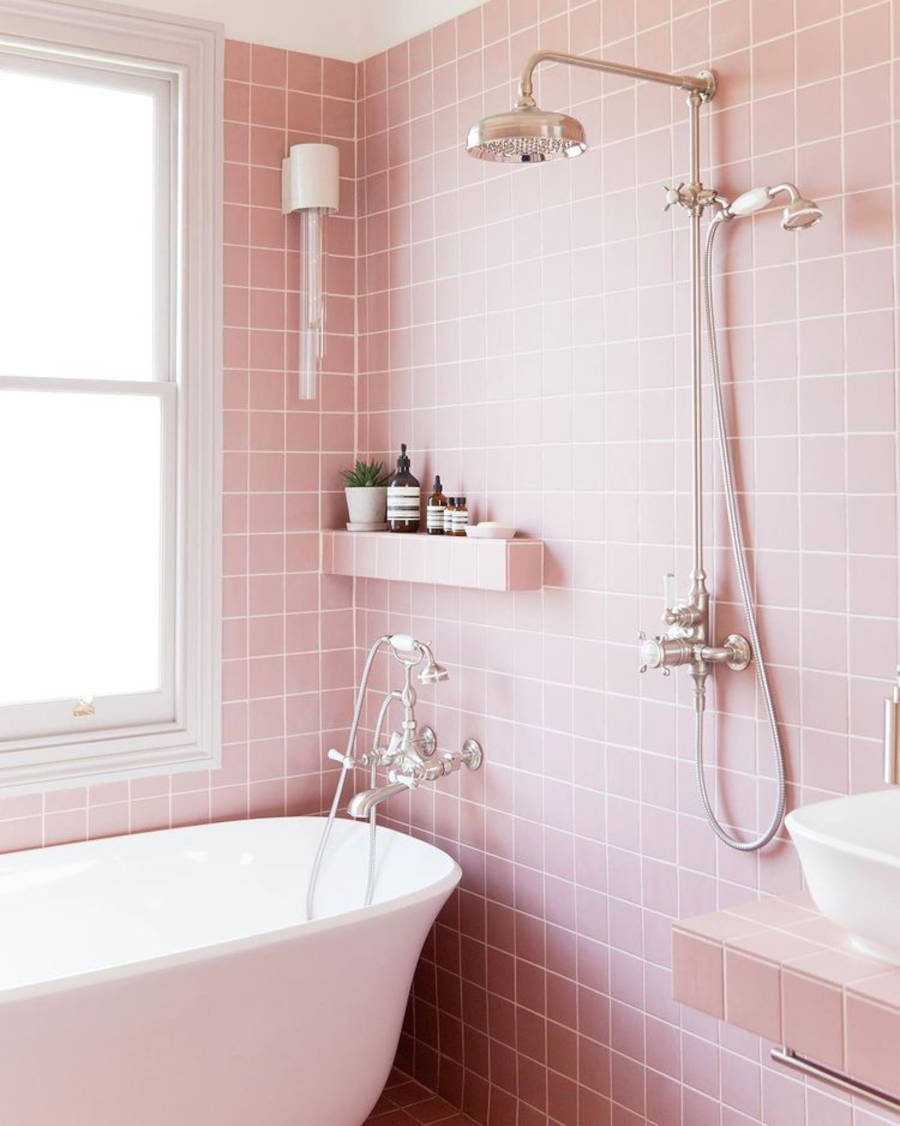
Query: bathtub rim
[{"x": 440, "y": 888}]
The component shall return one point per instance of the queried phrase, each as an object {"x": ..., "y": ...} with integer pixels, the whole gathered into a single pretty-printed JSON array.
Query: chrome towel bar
[{"x": 834, "y": 1078}]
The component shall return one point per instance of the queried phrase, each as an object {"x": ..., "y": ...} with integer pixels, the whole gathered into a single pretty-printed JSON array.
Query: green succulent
[{"x": 365, "y": 475}]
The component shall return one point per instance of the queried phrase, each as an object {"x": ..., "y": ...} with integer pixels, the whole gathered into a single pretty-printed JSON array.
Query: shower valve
[
  {"x": 664, "y": 652},
  {"x": 694, "y": 197}
]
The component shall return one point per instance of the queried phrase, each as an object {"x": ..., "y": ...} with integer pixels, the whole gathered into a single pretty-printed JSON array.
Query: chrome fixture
[
  {"x": 527, "y": 134},
  {"x": 411, "y": 755},
  {"x": 799, "y": 213},
  {"x": 892, "y": 735},
  {"x": 530, "y": 135},
  {"x": 433, "y": 673},
  {"x": 826, "y": 1075},
  {"x": 363, "y": 803},
  {"x": 407, "y": 774}
]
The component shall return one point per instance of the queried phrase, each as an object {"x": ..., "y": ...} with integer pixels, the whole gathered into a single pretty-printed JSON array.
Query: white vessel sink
[{"x": 850, "y": 852}]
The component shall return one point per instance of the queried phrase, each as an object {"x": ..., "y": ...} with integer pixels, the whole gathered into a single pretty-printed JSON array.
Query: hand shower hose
[{"x": 739, "y": 552}]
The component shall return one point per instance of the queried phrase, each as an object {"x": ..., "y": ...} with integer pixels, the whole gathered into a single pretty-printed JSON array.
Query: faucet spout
[{"x": 362, "y": 804}]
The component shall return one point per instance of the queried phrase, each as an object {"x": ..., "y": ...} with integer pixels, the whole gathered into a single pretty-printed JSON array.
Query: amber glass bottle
[
  {"x": 434, "y": 510},
  {"x": 404, "y": 497},
  {"x": 460, "y": 517}
]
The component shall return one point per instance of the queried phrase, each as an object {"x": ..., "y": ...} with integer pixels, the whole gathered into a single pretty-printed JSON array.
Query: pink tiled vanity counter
[{"x": 780, "y": 969}]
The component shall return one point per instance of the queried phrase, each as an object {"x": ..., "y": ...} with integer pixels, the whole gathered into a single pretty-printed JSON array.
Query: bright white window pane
[
  {"x": 80, "y": 563},
  {"x": 76, "y": 228}
]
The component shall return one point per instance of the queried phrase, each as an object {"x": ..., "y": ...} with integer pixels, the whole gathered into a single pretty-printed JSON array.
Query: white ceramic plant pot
[{"x": 367, "y": 505}]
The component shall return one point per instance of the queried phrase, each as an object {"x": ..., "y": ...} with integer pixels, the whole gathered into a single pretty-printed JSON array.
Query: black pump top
[
  {"x": 437, "y": 487},
  {"x": 403, "y": 460}
]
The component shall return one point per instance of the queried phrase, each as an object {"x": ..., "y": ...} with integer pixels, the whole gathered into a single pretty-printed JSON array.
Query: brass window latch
[{"x": 84, "y": 707}]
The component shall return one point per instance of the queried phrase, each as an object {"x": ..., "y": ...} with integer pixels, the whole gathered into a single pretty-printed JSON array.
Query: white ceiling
[{"x": 341, "y": 29}]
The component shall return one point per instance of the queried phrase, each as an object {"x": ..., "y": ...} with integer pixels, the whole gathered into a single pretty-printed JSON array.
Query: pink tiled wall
[
  {"x": 287, "y": 630},
  {"x": 524, "y": 331}
]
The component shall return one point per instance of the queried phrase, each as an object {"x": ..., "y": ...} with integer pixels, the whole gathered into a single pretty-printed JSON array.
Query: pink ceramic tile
[
  {"x": 872, "y": 1043},
  {"x": 697, "y": 972},
  {"x": 812, "y": 1019},
  {"x": 753, "y": 994}
]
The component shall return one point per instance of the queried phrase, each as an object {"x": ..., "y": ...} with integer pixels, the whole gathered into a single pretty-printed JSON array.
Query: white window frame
[{"x": 178, "y": 728}]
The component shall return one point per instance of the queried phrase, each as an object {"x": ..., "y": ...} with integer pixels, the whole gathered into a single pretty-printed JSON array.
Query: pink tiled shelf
[
  {"x": 448, "y": 561},
  {"x": 780, "y": 969}
]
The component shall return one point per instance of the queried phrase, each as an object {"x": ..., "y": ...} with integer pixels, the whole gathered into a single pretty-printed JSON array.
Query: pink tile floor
[{"x": 407, "y": 1103}]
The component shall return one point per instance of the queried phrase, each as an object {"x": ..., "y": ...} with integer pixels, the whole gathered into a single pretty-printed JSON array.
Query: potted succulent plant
[{"x": 365, "y": 487}]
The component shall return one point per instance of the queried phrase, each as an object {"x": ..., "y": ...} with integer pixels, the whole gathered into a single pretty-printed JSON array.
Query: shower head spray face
[
  {"x": 800, "y": 213},
  {"x": 526, "y": 135},
  {"x": 433, "y": 673}
]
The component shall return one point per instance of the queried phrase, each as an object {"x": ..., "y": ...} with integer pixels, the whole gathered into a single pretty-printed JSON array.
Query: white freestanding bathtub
[{"x": 171, "y": 978}]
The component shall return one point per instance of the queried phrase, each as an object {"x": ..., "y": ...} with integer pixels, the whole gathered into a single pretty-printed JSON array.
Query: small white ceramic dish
[
  {"x": 360, "y": 527},
  {"x": 491, "y": 530}
]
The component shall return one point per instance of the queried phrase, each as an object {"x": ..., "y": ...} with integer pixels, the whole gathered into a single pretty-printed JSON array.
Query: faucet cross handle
[
  {"x": 673, "y": 195},
  {"x": 347, "y": 761}
]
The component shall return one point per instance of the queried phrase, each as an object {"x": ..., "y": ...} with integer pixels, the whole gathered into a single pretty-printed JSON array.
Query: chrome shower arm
[{"x": 704, "y": 83}]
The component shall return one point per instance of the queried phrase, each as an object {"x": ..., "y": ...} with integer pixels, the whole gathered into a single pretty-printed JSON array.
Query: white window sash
[{"x": 53, "y": 719}]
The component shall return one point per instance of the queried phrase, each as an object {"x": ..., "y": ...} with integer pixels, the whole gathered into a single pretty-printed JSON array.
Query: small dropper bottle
[
  {"x": 449, "y": 516},
  {"x": 435, "y": 508},
  {"x": 460, "y": 517}
]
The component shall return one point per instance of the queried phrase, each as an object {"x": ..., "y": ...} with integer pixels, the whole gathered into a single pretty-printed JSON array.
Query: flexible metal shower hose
[
  {"x": 339, "y": 788},
  {"x": 739, "y": 552}
]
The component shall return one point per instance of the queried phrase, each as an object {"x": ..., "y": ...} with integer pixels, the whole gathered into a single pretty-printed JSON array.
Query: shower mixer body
[{"x": 686, "y": 641}]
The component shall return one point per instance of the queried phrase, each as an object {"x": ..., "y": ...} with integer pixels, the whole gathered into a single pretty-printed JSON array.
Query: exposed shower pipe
[
  {"x": 527, "y": 134},
  {"x": 703, "y": 83}
]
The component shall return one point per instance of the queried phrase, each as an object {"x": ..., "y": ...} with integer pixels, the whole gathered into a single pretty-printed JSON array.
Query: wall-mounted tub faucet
[
  {"x": 407, "y": 774},
  {"x": 411, "y": 755}
]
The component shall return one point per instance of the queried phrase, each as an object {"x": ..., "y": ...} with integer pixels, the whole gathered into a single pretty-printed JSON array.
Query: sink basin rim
[{"x": 800, "y": 818}]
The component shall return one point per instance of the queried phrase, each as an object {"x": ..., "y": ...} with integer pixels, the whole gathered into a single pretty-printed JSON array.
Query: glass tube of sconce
[{"x": 312, "y": 299}]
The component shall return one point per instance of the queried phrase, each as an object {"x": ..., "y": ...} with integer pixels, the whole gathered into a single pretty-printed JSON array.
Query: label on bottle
[
  {"x": 448, "y": 522},
  {"x": 404, "y": 502},
  {"x": 460, "y": 520},
  {"x": 434, "y": 517}
]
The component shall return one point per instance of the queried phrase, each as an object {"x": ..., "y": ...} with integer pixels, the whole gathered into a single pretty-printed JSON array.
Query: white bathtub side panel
[{"x": 296, "y": 1033}]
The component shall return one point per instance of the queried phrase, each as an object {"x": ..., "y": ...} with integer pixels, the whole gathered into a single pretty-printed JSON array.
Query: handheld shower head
[
  {"x": 526, "y": 135},
  {"x": 411, "y": 652},
  {"x": 433, "y": 673},
  {"x": 800, "y": 213},
  {"x": 797, "y": 215}
]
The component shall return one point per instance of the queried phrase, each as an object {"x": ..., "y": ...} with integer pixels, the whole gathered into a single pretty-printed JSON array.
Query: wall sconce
[{"x": 310, "y": 184}]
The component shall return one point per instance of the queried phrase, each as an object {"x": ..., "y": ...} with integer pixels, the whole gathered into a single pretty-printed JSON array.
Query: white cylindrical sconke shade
[
  {"x": 311, "y": 178},
  {"x": 311, "y": 185}
]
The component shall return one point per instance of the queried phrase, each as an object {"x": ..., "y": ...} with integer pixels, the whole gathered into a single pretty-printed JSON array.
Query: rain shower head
[
  {"x": 526, "y": 135},
  {"x": 797, "y": 215}
]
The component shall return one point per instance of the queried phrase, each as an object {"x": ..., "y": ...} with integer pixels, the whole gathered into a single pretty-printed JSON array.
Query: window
[{"x": 109, "y": 394}]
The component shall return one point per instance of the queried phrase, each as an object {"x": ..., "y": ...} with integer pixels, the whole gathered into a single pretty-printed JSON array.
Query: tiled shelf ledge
[
  {"x": 447, "y": 560},
  {"x": 780, "y": 969}
]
